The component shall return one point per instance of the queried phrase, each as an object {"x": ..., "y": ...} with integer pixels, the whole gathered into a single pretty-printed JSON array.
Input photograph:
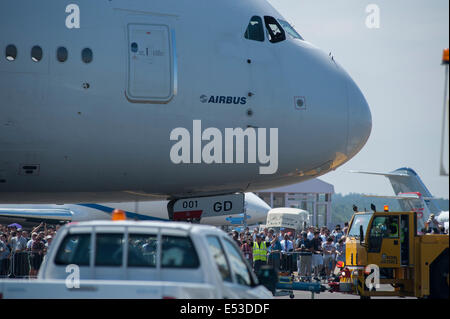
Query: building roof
[{"x": 310, "y": 186}]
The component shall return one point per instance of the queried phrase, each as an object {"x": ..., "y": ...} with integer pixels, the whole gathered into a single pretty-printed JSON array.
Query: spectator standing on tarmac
[
  {"x": 328, "y": 249},
  {"x": 345, "y": 229},
  {"x": 269, "y": 237},
  {"x": 255, "y": 233},
  {"x": 337, "y": 233},
  {"x": 275, "y": 253},
  {"x": 310, "y": 233},
  {"x": 304, "y": 260},
  {"x": 235, "y": 236},
  {"x": 49, "y": 240},
  {"x": 19, "y": 246},
  {"x": 4, "y": 256},
  {"x": 247, "y": 251},
  {"x": 259, "y": 253},
  {"x": 286, "y": 244},
  {"x": 266, "y": 232},
  {"x": 287, "y": 248},
  {"x": 323, "y": 234},
  {"x": 340, "y": 250},
  {"x": 30, "y": 242},
  {"x": 36, "y": 255},
  {"x": 317, "y": 259},
  {"x": 432, "y": 225}
]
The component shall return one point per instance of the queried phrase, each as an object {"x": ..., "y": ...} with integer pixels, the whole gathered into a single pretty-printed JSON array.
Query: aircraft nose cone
[{"x": 360, "y": 119}]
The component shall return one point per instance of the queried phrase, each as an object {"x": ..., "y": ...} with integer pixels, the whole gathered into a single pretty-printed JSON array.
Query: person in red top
[{"x": 247, "y": 250}]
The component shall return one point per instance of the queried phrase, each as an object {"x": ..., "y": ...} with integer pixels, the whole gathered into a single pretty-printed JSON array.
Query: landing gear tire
[{"x": 291, "y": 296}]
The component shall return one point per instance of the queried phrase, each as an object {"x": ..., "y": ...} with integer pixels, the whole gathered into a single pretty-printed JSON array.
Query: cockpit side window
[
  {"x": 255, "y": 29},
  {"x": 274, "y": 29},
  {"x": 290, "y": 30}
]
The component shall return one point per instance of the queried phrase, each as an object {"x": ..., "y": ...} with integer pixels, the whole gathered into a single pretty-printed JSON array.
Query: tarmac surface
[{"x": 329, "y": 295}]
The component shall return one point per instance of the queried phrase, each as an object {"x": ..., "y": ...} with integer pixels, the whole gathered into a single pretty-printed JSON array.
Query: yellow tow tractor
[{"x": 386, "y": 256}]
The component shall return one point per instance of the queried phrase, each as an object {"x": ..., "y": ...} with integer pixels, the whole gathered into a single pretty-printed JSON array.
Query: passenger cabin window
[
  {"x": 87, "y": 55},
  {"x": 11, "y": 52},
  {"x": 255, "y": 29},
  {"x": 178, "y": 252},
  {"x": 62, "y": 54},
  {"x": 216, "y": 250},
  {"x": 74, "y": 249},
  {"x": 36, "y": 53},
  {"x": 274, "y": 30},
  {"x": 290, "y": 30},
  {"x": 109, "y": 250}
]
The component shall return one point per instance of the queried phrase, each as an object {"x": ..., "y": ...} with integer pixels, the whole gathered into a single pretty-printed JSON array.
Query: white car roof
[{"x": 153, "y": 224}]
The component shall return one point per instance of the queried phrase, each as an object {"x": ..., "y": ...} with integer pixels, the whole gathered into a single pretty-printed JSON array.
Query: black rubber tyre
[{"x": 439, "y": 288}]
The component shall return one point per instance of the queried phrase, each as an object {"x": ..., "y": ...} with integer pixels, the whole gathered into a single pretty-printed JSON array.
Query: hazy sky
[{"x": 397, "y": 67}]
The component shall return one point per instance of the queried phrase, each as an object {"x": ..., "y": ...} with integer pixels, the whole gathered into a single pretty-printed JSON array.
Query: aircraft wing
[
  {"x": 51, "y": 214},
  {"x": 400, "y": 196},
  {"x": 382, "y": 174}
]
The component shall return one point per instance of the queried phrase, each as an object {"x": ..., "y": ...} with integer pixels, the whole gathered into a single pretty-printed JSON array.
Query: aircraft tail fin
[{"x": 406, "y": 181}]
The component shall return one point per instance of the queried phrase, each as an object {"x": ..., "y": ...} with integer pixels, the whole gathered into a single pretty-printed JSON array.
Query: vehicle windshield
[
  {"x": 359, "y": 220},
  {"x": 290, "y": 30}
]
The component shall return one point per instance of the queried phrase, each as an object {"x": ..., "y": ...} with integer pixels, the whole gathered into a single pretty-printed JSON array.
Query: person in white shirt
[
  {"x": 30, "y": 242},
  {"x": 287, "y": 247},
  {"x": 329, "y": 251},
  {"x": 286, "y": 244},
  {"x": 310, "y": 234}
]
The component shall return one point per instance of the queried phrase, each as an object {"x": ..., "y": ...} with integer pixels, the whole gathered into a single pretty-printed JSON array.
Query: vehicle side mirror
[{"x": 361, "y": 234}]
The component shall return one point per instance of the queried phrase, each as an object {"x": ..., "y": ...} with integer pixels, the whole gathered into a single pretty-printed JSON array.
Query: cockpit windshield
[
  {"x": 359, "y": 220},
  {"x": 255, "y": 29},
  {"x": 290, "y": 30},
  {"x": 274, "y": 30}
]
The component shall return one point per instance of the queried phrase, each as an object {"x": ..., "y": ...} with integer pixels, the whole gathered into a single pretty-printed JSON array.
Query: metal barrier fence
[
  {"x": 286, "y": 261},
  {"x": 299, "y": 262},
  {"x": 18, "y": 265}
]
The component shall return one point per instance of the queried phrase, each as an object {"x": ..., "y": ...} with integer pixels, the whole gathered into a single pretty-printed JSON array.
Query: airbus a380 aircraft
[{"x": 123, "y": 100}]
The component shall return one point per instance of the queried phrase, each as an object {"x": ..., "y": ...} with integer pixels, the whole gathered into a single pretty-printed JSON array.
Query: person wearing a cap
[{"x": 259, "y": 253}]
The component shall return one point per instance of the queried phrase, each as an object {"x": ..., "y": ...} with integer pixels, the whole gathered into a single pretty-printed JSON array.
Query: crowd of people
[
  {"x": 313, "y": 253},
  {"x": 22, "y": 251}
]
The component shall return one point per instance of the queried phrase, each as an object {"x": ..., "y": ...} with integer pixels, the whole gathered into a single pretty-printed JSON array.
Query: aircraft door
[
  {"x": 384, "y": 242},
  {"x": 263, "y": 67},
  {"x": 151, "y": 73}
]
